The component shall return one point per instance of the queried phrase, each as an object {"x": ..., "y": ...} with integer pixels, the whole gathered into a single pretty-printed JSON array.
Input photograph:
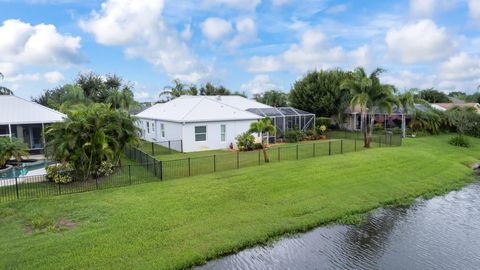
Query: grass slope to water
[{"x": 176, "y": 224}]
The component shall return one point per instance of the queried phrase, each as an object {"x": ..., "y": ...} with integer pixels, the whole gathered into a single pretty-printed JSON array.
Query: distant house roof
[
  {"x": 201, "y": 109},
  {"x": 16, "y": 110},
  {"x": 446, "y": 106}
]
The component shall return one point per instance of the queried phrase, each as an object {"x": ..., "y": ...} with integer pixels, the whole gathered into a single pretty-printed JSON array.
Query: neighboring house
[
  {"x": 26, "y": 120},
  {"x": 397, "y": 119},
  {"x": 212, "y": 122},
  {"x": 446, "y": 106}
]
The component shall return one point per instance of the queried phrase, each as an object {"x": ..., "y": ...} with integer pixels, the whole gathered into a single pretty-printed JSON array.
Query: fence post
[
  {"x": 189, "y": 172},
  {"x": 130, "y": 174},
  {"x": 155, "y": 167},
  {"x": 181, "y": 146},
  {"x": 259, "y": 161},
  {"x": 296, "y": 152},
  {"x": 314, "y": 150},
  {"x": 153, "y": 150},
  {"x": 278, "y": 153},
  {"x": 161, "y": 170},
  {"x": 329, "y": 148},
  {"x": 59, "y": 189},
  {"x": 169, "y": 148},
  {"x": 16, "y": 188},
  {"x": 96, "y": 181},
  {"x": 214, "y": 163},
  {"x": 238, "y": 159},
  {"x": 341, "y": 146},
  {"x": 355, "y": 145}
]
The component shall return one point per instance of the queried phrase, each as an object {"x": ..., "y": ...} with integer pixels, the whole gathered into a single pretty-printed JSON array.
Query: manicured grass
[{"x": 178, "y": 223}]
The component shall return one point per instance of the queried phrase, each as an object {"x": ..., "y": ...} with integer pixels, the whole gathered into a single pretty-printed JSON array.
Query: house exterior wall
[
  {"x": 213, "y": 140},
  {"x": 173, "y": 131}
]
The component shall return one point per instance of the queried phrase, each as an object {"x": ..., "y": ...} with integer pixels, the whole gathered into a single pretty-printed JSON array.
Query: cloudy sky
[{"x": 246, "y": 45}]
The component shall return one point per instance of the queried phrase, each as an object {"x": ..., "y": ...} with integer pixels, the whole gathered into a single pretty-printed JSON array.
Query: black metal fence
[
  {"x": 162, "y": 147},
  {"x": 150, "y": 169}
]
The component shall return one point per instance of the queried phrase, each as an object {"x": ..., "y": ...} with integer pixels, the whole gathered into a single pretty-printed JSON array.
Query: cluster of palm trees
[
  {"x": 89, "y": 136},
  {"x": 11, "y": 147},
  {"x": 179, "y": 89}
]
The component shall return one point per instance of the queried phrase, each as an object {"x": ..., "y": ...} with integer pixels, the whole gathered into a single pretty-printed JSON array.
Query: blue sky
[{"x": 245, "y": 45}]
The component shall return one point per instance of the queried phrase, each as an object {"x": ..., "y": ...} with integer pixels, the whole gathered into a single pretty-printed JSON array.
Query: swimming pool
[{"x": 22, "y": 170}]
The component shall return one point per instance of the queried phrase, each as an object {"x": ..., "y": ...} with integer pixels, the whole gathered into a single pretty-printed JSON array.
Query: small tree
[
  {"x": 261, "y": 127},
  {"x": 12, "y": 148}
]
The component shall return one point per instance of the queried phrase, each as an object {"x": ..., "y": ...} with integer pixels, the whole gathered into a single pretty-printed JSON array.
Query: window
[
  {"x": 200, "y": 133},
  {"x": 148, "y": 127},
  {"x": 153, "y": 126},
  {"x": 162, "y": 130},
  {"x": 223, "y": 129}
]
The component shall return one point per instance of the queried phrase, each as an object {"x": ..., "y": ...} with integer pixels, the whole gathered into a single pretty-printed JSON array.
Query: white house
[
  {"x": 26, "y": 120},
  {"x": 201, "y": 122},
  {"x": 213, "y": 122}
]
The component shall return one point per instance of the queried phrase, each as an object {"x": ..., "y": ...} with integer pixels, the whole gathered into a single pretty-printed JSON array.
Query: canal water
[{"x": 440, "y": 233}]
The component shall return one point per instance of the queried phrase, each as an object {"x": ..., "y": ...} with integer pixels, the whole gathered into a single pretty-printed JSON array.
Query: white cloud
[
  {"x": 25, "y": 44},
  {"x": 246, "y": 31},
  {"x": 23, "y": 77},
  {"x": 141, "y": 95},
  {"x": 336, "y": 9},
  {"x": 216, "y": 28},
  {"x": 237, "y": 4},
  {"x": 259, "y": 84},
  {"x": 313, "y": 52},
  {"x": 427, "y": 8},
  {"x": 461, "y": 70},
  {"x": 406, "y": 79},
  {"x": 280, "y": 2},
  {"x": 474, "y": 9},
  {"x": 419, "y": 42},
  {"x": 140, "y": 27},
  {"x": 187, "y": 32},
  {"x": 54, "y": 77}
]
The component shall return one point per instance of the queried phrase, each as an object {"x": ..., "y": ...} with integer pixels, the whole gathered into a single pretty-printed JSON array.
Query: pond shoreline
[{"x": 291, "y": 237}]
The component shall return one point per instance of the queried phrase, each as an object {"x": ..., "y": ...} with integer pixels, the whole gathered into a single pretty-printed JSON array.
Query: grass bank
[{"x": 179, "y": 223}]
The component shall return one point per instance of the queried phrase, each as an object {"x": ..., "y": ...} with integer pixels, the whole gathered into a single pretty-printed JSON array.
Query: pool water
[{"x": 22, "y": 170}]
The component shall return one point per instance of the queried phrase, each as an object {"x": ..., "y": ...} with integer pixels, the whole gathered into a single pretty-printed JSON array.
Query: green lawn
[{"x": 178, "y": 223}]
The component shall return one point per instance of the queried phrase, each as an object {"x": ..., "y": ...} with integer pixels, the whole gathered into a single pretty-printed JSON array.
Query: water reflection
[{"x": 441, "y": 233}]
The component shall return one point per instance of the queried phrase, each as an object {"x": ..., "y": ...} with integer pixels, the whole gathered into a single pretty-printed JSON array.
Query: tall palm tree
[
  {"x": 264, "y": 126},
  {"x": 371, "y": 96},
  {"x": 407, "y": 102}
]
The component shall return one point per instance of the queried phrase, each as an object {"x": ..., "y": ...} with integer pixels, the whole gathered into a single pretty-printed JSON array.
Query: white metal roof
[
  {"x": 16, "y": 110},
  {"x": 240, "y": 102},
  {"x": 196, "y": 109}
]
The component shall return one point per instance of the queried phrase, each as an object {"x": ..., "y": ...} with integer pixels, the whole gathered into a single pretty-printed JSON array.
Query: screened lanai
[{"x": 285, "y": 119}]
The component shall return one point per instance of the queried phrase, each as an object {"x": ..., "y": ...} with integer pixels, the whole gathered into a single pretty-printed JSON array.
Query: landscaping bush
[
  {"x": 60, "y": 173},
  {"x": 257, "y": 146},
  {"x": 294, "y": 135},
  {"x": 460, "y": 141},
  {"x": 245, "y": 141},
  {"x": 323, "y": 121},
  {"x": 105, "y": 169}
]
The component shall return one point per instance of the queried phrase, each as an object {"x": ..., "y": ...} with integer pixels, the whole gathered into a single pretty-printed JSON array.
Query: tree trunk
[
  {"x": 404, "y": 133},
  {"x": 265, "y": 154}
]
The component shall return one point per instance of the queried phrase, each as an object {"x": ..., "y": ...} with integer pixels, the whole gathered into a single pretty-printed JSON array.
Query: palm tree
[
  {"x": 261, "y": 127},
  {"x": 178, "y": 90},
  {"x": 407, "y": 102},
  {"x": 4, "y": 90},
  {"x": 12, "y": 148},
  {"x": 372, "y": 97}
]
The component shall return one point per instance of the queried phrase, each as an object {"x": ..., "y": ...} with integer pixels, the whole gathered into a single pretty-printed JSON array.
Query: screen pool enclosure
[{"x": 285, "y": 119}]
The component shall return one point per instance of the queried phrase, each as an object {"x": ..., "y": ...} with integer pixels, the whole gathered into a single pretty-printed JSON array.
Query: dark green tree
[
  {"x": 319, "y": 92},
  {"x": 273, "y": 98},
  {"x": 4, "y": 90},
  {"x": 433, "y": 96}
]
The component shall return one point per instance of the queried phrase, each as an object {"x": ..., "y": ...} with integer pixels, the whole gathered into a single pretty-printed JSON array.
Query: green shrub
[
  {"x": 294, "y": 135},
  {"x": 105, "y": 169},
  {"x": 257, "y": 146},
  {"x": 59, "y": 173},
  {"x": 323, "y": 121},
  {"x": 460, "y": 141},
  {"x": 378, "y": 127},
  {"x": 245, "y": 141}
]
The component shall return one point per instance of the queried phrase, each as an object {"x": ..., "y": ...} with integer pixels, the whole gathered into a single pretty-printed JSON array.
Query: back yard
[{"x": 179, "y": 223}]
